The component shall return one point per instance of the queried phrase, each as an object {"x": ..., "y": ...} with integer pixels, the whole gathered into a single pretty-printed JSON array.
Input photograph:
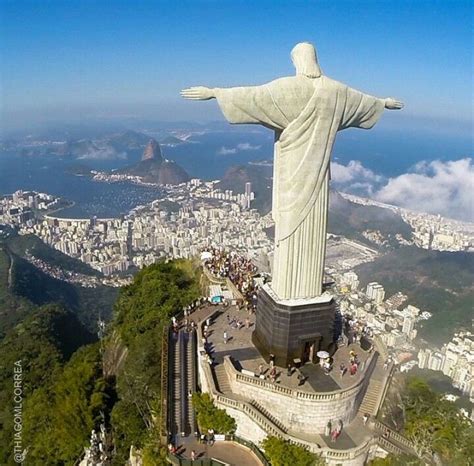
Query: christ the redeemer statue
[{"x": 305, "y": 111}]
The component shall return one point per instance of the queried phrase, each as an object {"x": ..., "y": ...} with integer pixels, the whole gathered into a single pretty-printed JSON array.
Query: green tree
[
  {"x": 435, "y": 425},
  {"x": 392, "y": 460},
  {"x": 211, "y": 417},
  {"x": 59, "y": 417},
  {"x": 283, "y": 453},
  {"x": 43, "y": 343}
]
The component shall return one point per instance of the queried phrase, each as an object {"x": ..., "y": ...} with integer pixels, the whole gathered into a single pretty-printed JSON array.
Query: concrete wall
[
  {"x": 300, "y": 411},
  {"x": 246, "y": 427}
]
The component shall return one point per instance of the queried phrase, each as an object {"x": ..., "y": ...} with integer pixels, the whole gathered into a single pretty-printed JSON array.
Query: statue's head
[{"x": 305, "y": 60}]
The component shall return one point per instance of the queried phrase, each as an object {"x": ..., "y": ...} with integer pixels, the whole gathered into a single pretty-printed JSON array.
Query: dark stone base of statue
[{"x": 293, "y": 329}]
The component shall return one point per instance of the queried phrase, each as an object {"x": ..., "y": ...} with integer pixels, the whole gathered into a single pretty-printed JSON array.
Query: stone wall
[
  {"x": 246, "y": 427},
  {"x": 297, "y": 410}
]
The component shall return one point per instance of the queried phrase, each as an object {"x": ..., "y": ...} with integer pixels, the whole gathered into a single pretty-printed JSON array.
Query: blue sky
[{"x": 64, "y": 59}]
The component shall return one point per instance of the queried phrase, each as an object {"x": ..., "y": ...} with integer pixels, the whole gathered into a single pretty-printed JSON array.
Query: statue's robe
[{"x": 305, "y": 114}]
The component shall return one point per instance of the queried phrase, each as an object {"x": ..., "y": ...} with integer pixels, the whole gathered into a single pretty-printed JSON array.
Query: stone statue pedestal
[{"x": 293, "y": 329}]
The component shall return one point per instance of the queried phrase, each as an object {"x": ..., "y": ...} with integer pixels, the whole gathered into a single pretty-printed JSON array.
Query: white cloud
[
  {"x": 354, "y": 178},
  {"x": 243, "y": 146},
  {"x": 226, "y": 151},
  {"x": 247, "y": 146},
  {"x": 438, "y": 187}
]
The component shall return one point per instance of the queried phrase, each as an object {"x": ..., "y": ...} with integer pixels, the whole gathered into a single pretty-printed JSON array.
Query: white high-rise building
[
  {"x": 375, "y": 292},
  {"x": 436, "y": 362},
  {"x": 408, "y": 325},
  {"x": 351, "y": 279}
]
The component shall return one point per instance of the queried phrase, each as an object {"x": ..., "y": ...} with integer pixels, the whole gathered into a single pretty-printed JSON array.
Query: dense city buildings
[
  {"x": 429, "y": 231},
  {"x": 197, "y": 216}
]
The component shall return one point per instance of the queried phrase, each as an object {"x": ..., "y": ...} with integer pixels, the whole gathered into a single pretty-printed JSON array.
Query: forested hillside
[{"x": 439, "y": 282}]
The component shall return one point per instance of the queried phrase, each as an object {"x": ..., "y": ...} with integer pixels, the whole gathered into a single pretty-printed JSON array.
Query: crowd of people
[{"x": 238, "y": 269}]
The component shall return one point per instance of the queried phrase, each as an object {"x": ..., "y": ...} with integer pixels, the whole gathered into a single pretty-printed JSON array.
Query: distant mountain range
[
  {"x": 154, "y": 168},
  {"x": 125, "y": 145}
]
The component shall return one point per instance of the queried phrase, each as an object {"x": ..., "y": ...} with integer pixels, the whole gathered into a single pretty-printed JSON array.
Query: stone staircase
[
  {"x": 269, "y": 416},
  {"x": 222, "y": 381},
  {"x": 190, "y": 381},
  {"x": 175, "y": 376},
  {"x": 370, "y": 402}
]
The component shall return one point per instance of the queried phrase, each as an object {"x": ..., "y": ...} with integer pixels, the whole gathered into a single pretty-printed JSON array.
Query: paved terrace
[
  {"x": 245, "y": 356},
  {"x": 230, "y": 453},
  {"x": 240, "y": 347}
]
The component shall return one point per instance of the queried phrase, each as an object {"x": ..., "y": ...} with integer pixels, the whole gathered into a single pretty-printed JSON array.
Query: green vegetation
[
  {"x": 43, "y": 342},
  {"x": 40, "y": 288},
  {"x": 438, "y": 282},
  {"x": 211, "y": 417},
  {"x": 23, "y": 286},
  {"x": 59, "y": 417},
  {"x": 12, "y": 308},
  {"x": 23, "y": 244},
  {"x": 142, "y": 312},
  {"x": 64, "y": 387},
  {"x": 393, "y": 460},
  {"x": 283, "y": 453},
  {"x": 436, "y": 426},
  {"x": 350, "y": 220}
]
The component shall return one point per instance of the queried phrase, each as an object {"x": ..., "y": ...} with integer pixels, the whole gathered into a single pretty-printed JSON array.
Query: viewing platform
[{"x": 246, "y": 358}]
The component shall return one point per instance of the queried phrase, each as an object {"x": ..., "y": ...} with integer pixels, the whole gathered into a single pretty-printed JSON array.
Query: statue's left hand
[{"x": 198, "y": 93}]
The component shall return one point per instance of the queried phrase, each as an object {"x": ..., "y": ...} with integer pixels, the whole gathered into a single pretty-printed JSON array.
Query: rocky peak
[{"x": 152, "y": 151}]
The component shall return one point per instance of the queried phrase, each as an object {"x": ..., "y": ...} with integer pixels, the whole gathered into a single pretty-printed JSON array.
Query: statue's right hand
[{"x": 198, "y": 93}]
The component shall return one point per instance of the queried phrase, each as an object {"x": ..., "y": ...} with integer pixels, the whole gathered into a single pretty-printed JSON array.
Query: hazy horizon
[{"x": 89, "y": 60}]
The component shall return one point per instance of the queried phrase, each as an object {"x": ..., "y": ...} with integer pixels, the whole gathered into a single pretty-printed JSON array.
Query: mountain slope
[
  {"x": 439, "y": 282},
  {"x": 260, "y": 176},
  {"x": 23, "y": 286},
  {"x": 153, "y": 168}
]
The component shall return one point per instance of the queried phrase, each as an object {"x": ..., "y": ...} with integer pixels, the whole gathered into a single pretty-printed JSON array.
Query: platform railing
[{"x": 340, "y": 394}]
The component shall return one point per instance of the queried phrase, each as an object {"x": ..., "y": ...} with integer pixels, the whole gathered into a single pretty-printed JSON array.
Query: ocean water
[
  {"x": 50, "y": 175},
  {"x": 209, "y": 155}
]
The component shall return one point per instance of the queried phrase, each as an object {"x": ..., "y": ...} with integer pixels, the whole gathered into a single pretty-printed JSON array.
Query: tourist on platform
[
  {"x": 193, "y": 455},
  {"x": 327, "y": 430},
  {"x": 225, "y": 337},
  {"x": 366, "y": 418},
  {"x": 289, "y": 370},
  {"x": 301, "y": 379},
  {"x": 342, "y": 369},
  {"x": 272, "y": 360},
  {"x": 260, "y": 369},
  {"x": 210, "y": 436},
  {"x": 273, "y": 374},
  {"x": 353, "y": 369}
]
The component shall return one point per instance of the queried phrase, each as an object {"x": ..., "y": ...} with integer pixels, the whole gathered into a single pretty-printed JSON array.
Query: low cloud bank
[
  {"x": 436, "y": 187},
  {"x": 243, "y": 146}
]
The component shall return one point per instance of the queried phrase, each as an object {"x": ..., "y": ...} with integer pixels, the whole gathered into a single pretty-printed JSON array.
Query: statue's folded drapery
[{"x": 306, "y": 115}]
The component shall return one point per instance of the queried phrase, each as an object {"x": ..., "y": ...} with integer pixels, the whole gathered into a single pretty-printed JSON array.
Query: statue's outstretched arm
[{"x": 198, "y": 93}]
